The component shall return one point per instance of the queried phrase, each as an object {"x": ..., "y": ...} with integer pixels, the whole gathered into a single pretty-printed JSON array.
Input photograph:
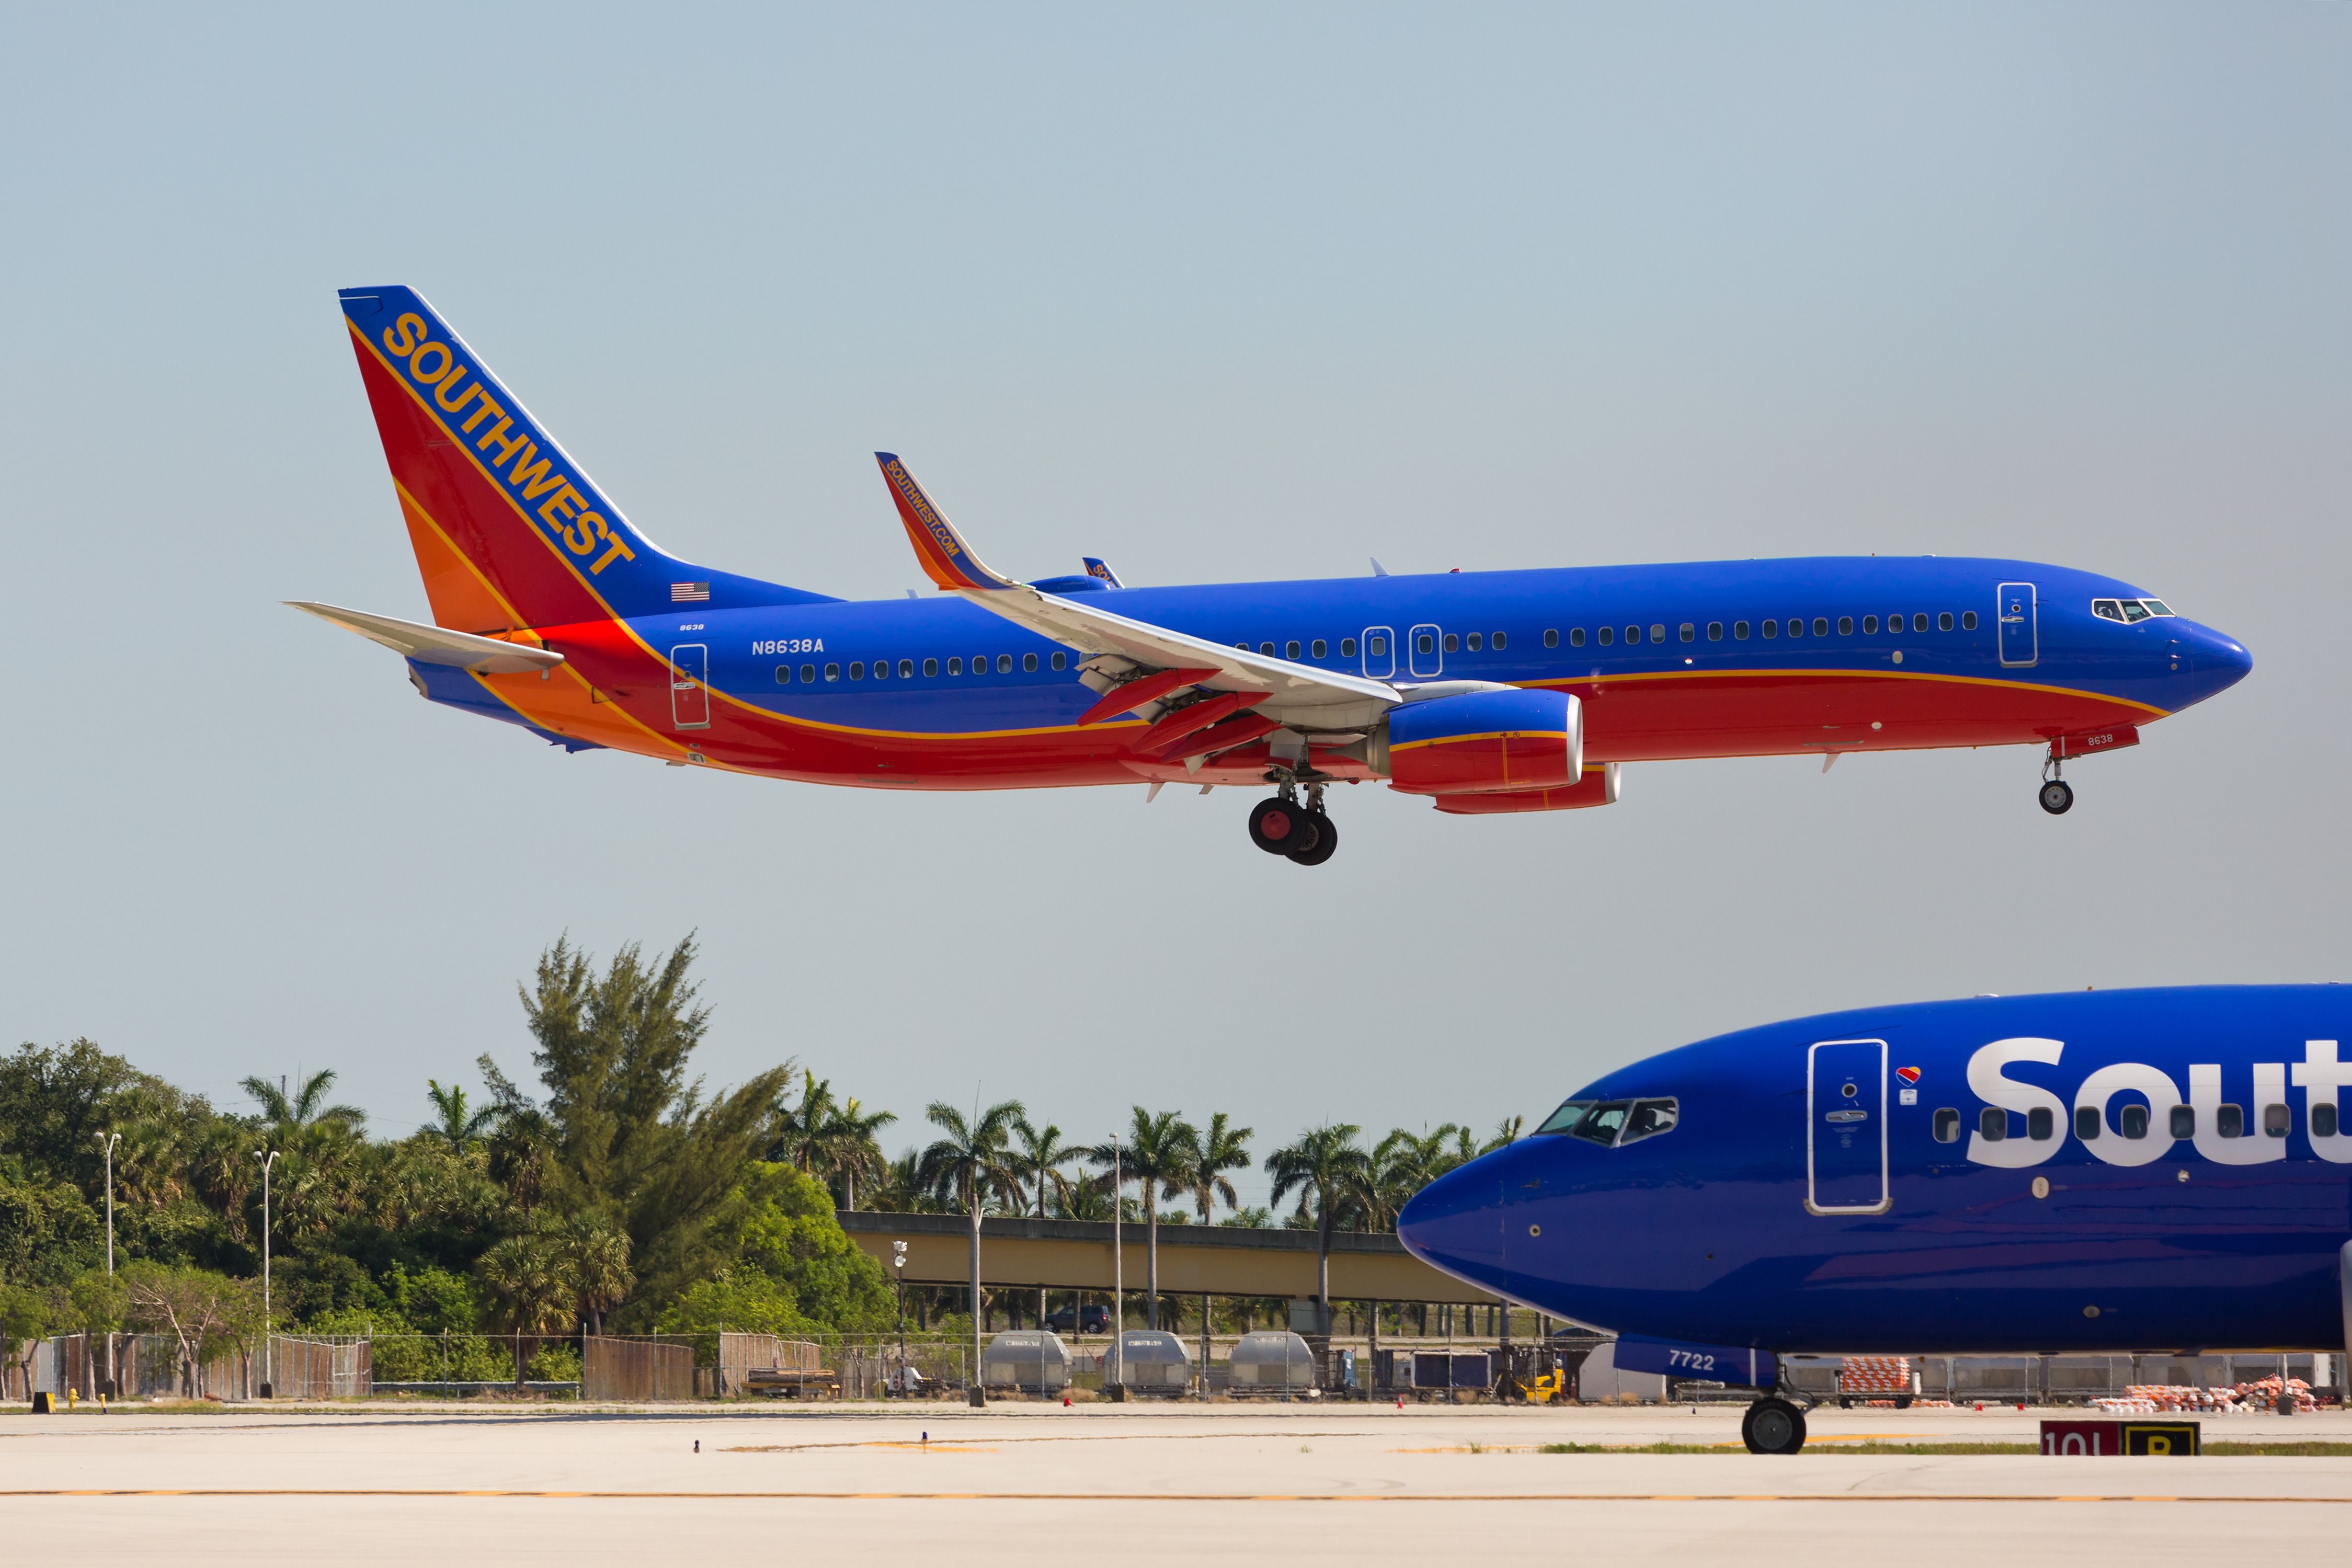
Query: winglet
[
  {"x": 1097, "y": 567},
  {"x": 942, "y": 550}
]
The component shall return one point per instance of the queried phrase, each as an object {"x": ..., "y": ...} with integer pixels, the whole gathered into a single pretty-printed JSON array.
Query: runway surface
[{"x": 1155, "y": 1483}]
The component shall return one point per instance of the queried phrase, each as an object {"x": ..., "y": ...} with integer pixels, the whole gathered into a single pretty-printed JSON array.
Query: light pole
[
  {"x": 107, "y": 1141},
  {"x": 268, "y": 1358},
  {"x": 898, "y": 1266},
  {"x": 1118, "y": 1279}
]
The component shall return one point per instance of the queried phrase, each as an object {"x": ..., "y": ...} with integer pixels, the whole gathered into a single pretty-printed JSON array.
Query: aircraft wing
[
  {"x": 1120, "y": 649},
  {"x": 437, "y": 644}
]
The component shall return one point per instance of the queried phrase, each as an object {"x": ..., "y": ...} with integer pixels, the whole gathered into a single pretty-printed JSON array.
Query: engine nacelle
[
  {"x": 1597, "y": 787},
  {"x": 1482, "y": 741}
]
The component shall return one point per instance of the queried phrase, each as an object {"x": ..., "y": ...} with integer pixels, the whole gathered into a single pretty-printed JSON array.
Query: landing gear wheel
[
  {"x": 1280, "y": 827},
  {"x": 1326, "y": 844},
  {"x": 1772, "y": 1425},
  {"x": 2057, "y": 796}
]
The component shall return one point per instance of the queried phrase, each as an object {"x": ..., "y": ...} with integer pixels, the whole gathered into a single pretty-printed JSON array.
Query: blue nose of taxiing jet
[
  {"x": 1455, "y": 1223},
  {"x": 2207, "y": 662}
]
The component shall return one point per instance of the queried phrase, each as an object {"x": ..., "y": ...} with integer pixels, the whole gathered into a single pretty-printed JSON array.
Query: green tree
[
  {"x": 1157, "y": 1154},
  {"x": 461, "y": 1127},
  {"x": 204, "y": 1312},
  {"x": 599, "y": 1261},
  {"x": 1217, "y": 1148},
  {"x": 527, "y": 1291},
  {"x": 1507, "y": 1133},
  {"x": 28, "y": 1314},
  {"x": 972, "y": 1162},
  {"x": 1042, "y": 1156},
  {"x": 1327, "y": 1167},
  {"x": 627, "y": 1132},
  {"x": 307, "y": 1108}
]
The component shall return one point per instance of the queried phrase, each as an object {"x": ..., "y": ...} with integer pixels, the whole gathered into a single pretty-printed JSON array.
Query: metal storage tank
[
  {"x": 1025, "y": 1358},
  {"x": 1150, "y": 1358},
  {"x": 1271, "y": 1359}
]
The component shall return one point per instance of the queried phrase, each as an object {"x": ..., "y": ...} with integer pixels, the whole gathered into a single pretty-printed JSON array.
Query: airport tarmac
[{"x": 1028, "y": 1483}]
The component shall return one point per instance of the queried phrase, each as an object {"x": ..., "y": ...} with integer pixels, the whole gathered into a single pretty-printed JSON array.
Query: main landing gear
[
  {"x": 2057, "y": 795},
  {"x": 1772, "y": 1425},
  {"x": 1281, "y": 825}
]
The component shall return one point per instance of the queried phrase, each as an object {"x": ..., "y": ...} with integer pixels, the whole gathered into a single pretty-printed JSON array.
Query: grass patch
[{"x": 2282, "y": 1450}]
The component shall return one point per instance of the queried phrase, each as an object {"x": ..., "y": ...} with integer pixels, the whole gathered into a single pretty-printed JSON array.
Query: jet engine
[
  {"x": 1478, "y": 742},
  {"x": 1597, "y": 787}
]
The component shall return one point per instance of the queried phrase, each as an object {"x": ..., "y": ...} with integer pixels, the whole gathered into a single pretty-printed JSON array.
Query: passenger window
[
  {"x": 1061, "y": 661},
  {"x": 2184, "y": 1121},
  {"x": 1870, "y": 625},
  {"x": 907, "y": 672},
  {"x": 1689, "y": 633},
  {"x": 1845, "y": 626},
  {"x": 2040, "y": 1125},
  {"x": 1992, "y": 1124},
  {"x": 1715, "y": 630},
  {"x": 1944, "y": 621},
  {"x": 2275, "y": 1121},
  {"x": 1657, "y": 633},
  {"x": 1602, "y": 1122},
  {"x": 832, "y": 671},
  {"x": 1290, "y": 649},
  {"x": 1551, "y": 637},
  {"x": 1266, "y": 648},
  {"x": 955, "y": 666},
  {"x": 1348, "y": 647},
  {"x": 979, "y": 664},
  {"x": 2323, "y": 1119},
  {"x": 1029, "y": 664},
  {"x": 783, "y": 674},
  {"x": 1633, "y": 636},
  {"x": 1947, "y": 1125},
  {"x": 1453, "y": 643},
  {"x": 1322, "y": 650},
  {"x": 2134, "y": 1120},
  {"x": 1771, "y": 629},
  {"x": 930, "y": 669},
  {"x": 1919, "y": 623},
  {"x": 1820, "y": 625},
  {"x": 2230, "y": 1121},
  {"x": 857, "y": 670},
  {"x": 808, "y": 673},
  {"x": 2086, "y": 1123},
  {"x": 2135, "y": 611},
  {"x": 1499, "y": 642},
  {"x": 1377, "y": 648},
  {"x": 1004, "y": 664},
  {"x": 1608, "y": 634},
  {"x": 1967, "y": 620},
  {"x": 1575, "y": 638},
  {"x": 881, "y": 669},
  {"x": 1649, "y": 1118},
  {"x": 1740, "y": 629},
  {"x": 1475, "y": 641},
  {"x": 1425, "y": 644}
]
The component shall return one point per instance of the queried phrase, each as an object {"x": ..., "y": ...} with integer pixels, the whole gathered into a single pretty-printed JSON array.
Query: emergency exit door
[
  {"x": 2015, "y": 611},
  {"x": 689, "y": 699},
  {"x": 1845, "y": 1127}
]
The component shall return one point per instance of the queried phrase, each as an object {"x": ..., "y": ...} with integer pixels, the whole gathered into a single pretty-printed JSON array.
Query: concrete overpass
[{"x": 1194, "y": 1260}]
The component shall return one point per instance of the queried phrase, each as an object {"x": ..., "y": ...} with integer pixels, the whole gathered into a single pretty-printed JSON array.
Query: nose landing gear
[
  {"x": 2057, "y": 795},
  {"x": 1281, "y": 825},
  {"x": 1772, "y": 1425}
]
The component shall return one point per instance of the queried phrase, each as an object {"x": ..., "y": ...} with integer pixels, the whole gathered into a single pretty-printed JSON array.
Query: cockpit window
[
  {"x": 2128, "y": 610},
  {"x": 1569, "y": 1114},
  {"x": 2133, "y": 610},
  {"x": 2106, "y": 608},
  {"x": 2156, "y": 607},
  {"x": 1612, "y": 1123}
]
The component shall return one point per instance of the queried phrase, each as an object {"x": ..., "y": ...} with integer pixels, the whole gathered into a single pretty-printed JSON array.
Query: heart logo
[{"x": 1909, "y": 1075}]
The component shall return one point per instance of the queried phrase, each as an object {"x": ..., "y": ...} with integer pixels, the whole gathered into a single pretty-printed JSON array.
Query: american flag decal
[{"x": 688, "y": 592}]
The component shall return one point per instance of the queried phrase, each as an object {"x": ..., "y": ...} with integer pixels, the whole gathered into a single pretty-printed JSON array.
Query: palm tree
[
  {"x": 1327, "y": 1165},
  {"x": 1216, "y": 1150},
  {"x": 531, "y": 1290},
  {"x": 973, "y": 1161},
  {"x": 461, "y": 1127},
  {"x": 901, "y": 1190},
  {"x": 1158, "y": 1153},
  {"x": 798, "y": 1131},
  {"x": 304, "y": 1109},
  {"x": 1041, "y": 1152},
  {"x": 1507, "y": 1133},
  {"x": 847, "y": 1147},
  {"x": 598, "y": 1257}
]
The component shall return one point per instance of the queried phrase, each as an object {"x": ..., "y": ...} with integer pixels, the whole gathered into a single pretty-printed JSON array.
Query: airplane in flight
[
  {"x": 2095, "y": 1172},
  {"x": 1491, "y": 692}
]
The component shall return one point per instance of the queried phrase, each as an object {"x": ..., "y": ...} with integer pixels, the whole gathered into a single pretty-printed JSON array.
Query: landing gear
[
  {"x": 1283, "y": 825},
  {"x": 2057, "y": 795},
  {"x": 1772, "y": 1425}
]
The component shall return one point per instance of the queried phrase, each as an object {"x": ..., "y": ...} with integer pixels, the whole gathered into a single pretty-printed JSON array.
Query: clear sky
[{"x": 1217, "y": 293}]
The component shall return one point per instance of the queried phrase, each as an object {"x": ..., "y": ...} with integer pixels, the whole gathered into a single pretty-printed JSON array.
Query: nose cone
[
  {"x": 1455, "y": 1223},
  {"x": 2214, "y": 662}
]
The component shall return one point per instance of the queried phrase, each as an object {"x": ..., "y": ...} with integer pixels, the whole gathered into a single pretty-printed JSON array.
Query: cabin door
[
  {"x": 689, "y": 699},
  {"x": 2018, "y": 641},
  {"x": 1845, "y": 1127}
]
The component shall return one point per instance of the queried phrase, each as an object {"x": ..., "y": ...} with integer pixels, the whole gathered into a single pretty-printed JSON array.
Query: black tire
[
  {"x": 1903, "y": 1402},
  {"x": 2057, "y": 797},
  {"x": 1844, "y": 1403},
  {"x": 1326, "y": 844},
  {"x": 1279, "y": 827},
  {"x": 1772, "y": 1425}
]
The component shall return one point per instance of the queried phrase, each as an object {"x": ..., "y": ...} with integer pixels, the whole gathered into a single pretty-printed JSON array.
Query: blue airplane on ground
[
  {"x": 1486, "y": 693},
  {"x": 2093, "y": 1172}
]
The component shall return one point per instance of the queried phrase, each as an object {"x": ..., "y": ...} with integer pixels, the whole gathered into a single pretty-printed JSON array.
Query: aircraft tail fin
[{"x": 508, "y": 530}]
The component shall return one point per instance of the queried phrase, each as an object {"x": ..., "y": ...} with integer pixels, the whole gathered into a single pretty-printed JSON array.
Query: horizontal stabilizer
[{"x": 438, "y": 645}]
